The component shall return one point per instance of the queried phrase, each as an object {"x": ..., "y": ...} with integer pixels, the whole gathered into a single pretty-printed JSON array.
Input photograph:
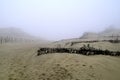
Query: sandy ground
[
  {"x": 19, "y": 62},
  {"x": 97, "y": 45}
]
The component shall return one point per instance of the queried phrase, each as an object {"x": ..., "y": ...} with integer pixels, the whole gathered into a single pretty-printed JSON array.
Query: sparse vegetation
[{"x": 85, "y": 50}]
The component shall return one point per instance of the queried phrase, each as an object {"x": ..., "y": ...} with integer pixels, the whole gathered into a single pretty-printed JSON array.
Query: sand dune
[{"x": 19, "y": 62}]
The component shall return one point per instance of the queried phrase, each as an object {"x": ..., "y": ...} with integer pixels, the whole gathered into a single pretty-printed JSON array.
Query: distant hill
[
  {"x": 13, "y": 34},
  {"x": 110, "y": 33},
  {"x": 89, "y": 35}
]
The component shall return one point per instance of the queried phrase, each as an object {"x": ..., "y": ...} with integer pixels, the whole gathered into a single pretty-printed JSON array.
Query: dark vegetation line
[
  {"x": 85, "y": 50},
  {"x": 76, "y": 42}
]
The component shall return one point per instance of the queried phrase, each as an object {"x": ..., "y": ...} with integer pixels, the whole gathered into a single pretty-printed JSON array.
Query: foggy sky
[{"x": 59, "y": 19}]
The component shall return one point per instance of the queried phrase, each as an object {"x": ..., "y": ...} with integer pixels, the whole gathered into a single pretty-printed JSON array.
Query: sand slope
[{"x": 19, "y": 62}]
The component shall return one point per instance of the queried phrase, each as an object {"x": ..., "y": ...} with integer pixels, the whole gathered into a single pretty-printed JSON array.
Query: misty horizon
[{"x": 60, "y": 19}]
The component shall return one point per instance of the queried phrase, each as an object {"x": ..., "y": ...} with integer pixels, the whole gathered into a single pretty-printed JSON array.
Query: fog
[{"x": 59, "y": 19}]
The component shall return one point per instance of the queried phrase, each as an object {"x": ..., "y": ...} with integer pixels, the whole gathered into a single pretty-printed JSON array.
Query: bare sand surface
[{"x": 19, "y": 62}]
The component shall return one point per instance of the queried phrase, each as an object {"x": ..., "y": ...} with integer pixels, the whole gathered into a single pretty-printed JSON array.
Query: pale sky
[{"x": 59, "y": 19}]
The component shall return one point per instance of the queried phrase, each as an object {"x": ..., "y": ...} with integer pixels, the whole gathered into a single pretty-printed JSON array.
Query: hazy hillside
[
  {"x": 12, "y": 34},
  {"x": 108, "y": 34},
  {"x": 111, "y": 31}
]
